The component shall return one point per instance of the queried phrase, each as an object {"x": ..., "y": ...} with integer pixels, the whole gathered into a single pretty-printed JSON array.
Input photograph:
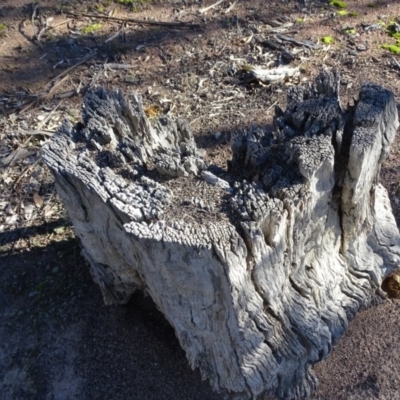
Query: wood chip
[{"x": 38, "y": 200}]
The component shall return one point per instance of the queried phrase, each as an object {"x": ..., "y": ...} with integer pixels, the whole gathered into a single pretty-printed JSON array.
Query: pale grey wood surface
[{"x": 306, "y": 236}]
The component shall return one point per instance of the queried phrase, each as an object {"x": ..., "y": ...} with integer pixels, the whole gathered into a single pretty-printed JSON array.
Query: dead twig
[
  {"x": 230, "y": 8},
  {"x": 43, "y": 123},
  {"x": 306, "y": 43},
  {"x": 35, "y": 132},
  {"x": 116, "y": 34},
  {"x": 52, "y": 85},
  {"x": 94, "y": 79},
  {"x": 48, "y": 27},
  {"x": 272, "y": 105},
  {"x": 34, "y": 14},
  {"x": 118, "y": 66},
  {"x": 16, "y": 155},
  {"x": 205, "y": 9},
  {"x": 27, "y": 169},
  {"x": 44, "y": 95},
  {"x": 68, "y": 93},
  {"x": 396, "y": 63},
  {"x": 67, "y": 71},
  {"x": 60, "y": 23},
  {"x": 138, "y": 21},
  {"x": 80, "y": 89}
]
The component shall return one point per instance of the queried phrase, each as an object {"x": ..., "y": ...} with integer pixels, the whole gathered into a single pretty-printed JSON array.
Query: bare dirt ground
[{"x": 57, "y": 339}]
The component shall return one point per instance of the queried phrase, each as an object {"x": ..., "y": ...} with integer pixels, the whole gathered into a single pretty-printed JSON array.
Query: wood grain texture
[{"x": 259, "y": 297}]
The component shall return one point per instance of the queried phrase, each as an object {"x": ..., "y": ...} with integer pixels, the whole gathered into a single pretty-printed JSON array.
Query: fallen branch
[{"x": 138, "y": 21}]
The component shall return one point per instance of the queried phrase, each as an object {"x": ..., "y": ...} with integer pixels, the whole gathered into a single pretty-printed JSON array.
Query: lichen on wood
[{"x": 264, "y": 291}]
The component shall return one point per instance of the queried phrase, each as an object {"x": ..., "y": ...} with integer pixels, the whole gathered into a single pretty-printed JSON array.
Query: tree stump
[{"x": 259, "y": 275}]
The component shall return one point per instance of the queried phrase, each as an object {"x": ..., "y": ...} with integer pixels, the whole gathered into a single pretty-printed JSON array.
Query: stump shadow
[{"x": 58, "y": 334}]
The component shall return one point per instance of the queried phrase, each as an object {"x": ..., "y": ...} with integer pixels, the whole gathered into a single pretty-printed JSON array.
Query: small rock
[
  {"x": 361, "y": 47},
  {"x": 217, "y": 135}
]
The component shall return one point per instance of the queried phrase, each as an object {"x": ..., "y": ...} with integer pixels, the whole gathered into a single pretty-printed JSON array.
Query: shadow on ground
[{"x": 59, "y": 341}]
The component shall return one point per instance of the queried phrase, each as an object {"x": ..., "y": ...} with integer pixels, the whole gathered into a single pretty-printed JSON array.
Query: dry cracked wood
[{"x": 261, "y": 294}]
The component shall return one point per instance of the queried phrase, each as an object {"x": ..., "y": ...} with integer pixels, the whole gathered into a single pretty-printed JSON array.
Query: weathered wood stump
[{"x": 261, "y": 276}]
